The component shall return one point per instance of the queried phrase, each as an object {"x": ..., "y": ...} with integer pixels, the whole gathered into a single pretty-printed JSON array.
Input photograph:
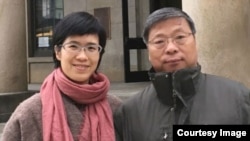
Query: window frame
[{"x": 34, "y": 8}]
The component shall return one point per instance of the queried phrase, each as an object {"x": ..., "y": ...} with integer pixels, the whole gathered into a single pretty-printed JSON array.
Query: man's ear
[{"x": 57, "y": 52}]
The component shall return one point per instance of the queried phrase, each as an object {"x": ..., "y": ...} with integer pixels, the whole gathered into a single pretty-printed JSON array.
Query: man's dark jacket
[{"x": 184, "y": 97}]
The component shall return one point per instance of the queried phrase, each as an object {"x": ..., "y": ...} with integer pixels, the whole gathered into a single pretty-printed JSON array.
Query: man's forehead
[
  {"x": 173, "y": 25},
  {"x": 173, "y": 21}
]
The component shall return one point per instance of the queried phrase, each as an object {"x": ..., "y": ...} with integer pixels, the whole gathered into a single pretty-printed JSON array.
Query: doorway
[{"x": 136, "y": 62}]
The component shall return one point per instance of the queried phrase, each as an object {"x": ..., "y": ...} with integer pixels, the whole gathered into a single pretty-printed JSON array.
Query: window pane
[
  {"x": 139, "y": 60},
  {"x": 47, "y": 13},
  {"x": 59, "y": 14},
  {"x": 59, "y": 4}
]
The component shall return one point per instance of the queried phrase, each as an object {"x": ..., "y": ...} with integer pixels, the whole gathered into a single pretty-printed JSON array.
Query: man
[{"x": 180, "y": 93}]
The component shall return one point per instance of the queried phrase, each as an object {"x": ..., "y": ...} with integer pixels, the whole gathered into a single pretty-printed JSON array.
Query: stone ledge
[{"x": 9, "y": 102}]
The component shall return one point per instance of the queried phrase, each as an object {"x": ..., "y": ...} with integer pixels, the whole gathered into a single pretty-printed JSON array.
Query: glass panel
[
  {"x": 46, "y": 9},
  {"x": 133, "y": 60},
  {"x": 58, "y": 4},
  {"x": 139, "y": 60},
  {"x": 59, "y": 14},
  {"x": 47, "y": 14}
]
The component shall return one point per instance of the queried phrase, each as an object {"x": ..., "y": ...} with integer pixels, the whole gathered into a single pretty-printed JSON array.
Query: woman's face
[{"x": 79, "y": 65}]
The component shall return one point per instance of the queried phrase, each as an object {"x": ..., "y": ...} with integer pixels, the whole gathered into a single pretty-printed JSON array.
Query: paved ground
[{"x": 120, "y": 89}]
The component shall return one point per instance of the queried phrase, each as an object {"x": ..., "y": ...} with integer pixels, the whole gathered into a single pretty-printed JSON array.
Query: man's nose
[{"x": 170, "y": 47}]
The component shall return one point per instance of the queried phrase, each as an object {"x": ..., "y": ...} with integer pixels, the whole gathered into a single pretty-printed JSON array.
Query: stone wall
[
  {"x": 112, "y": 62},
  {"x": 223, "y": 36}
]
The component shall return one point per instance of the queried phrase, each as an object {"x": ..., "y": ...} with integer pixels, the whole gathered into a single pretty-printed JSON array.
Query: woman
[{"x": 73, "y": 103}]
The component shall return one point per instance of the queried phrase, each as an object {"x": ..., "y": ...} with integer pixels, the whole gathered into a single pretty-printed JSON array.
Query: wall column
[
  {"x": 13, "y": 59},
  {"x": 223, "y": 33}
]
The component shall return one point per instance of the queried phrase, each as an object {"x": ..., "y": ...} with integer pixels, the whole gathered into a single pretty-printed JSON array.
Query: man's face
[{"x": 172, "y": 45}]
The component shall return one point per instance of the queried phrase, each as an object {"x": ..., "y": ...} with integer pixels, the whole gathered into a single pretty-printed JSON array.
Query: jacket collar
[{"x": 181, "y": 83}]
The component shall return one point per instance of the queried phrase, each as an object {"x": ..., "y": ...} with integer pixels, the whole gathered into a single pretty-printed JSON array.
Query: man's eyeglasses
[
  {"x": 76, "y": 48},
  {"x": 178, "y": 39}
]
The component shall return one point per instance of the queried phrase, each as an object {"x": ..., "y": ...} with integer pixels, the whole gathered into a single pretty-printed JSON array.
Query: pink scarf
[{"x": 98, "y": 121}]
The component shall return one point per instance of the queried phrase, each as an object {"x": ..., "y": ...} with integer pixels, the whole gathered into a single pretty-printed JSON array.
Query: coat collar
[{"x": 181, "y": 83}]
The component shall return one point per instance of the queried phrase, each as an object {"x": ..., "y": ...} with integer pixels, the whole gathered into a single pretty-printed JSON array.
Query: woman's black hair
[{"x": 77, "y": 23}]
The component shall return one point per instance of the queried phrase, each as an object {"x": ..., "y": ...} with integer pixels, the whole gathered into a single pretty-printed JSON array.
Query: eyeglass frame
[
  {"x": 173, "y": 40},
  {"x": 80, "y": 48}
]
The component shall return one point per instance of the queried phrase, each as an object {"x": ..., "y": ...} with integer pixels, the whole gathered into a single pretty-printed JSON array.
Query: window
[{"x": 44, "y": 15}]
